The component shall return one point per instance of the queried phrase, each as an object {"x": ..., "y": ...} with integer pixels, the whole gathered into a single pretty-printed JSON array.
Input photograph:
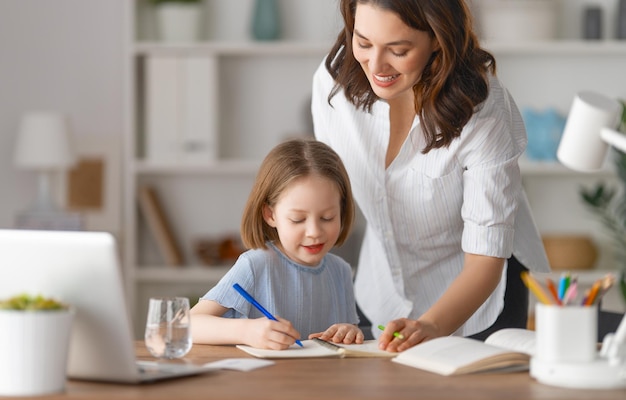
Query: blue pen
[{"x": 255, "y": 303}]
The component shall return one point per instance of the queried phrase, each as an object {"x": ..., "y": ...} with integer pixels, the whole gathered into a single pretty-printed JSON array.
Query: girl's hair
[
  {"x": 454, "y": 81},
  {"x": 284, "y": 164}
]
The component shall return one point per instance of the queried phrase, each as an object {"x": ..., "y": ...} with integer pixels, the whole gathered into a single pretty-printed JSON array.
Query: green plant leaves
[{"x": 27, "y": 302}]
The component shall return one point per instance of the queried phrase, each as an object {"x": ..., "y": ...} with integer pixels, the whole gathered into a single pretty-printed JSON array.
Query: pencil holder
[{"x": 566, "y": 334}]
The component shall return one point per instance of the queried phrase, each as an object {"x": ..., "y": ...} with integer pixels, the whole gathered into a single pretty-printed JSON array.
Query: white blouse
[{"x": 425, "y": 211}]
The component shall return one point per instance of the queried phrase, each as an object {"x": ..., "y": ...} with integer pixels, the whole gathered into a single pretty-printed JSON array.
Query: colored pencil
[{"x": 536, "y": 288}]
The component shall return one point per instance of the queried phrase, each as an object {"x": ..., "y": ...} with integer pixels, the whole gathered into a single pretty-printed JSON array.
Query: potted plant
[
  {"x": 609, "y": 205},
  {"x": 178, "y": 20},
  {"x": 34, "y": 344}
]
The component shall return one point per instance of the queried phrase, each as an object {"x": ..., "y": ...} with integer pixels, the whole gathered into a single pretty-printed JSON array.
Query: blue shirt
[{"x": 311, "y": 298}]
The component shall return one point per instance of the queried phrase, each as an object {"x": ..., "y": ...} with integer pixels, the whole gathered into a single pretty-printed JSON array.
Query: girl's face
[
  {"x": 392, "y": 54},
  {"x": 307, "y": 217}
]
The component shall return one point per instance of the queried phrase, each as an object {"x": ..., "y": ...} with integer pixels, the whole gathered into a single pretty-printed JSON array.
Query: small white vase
[
  {"x": 34, "y": 348},
  {"x": 179, "y": 22}
]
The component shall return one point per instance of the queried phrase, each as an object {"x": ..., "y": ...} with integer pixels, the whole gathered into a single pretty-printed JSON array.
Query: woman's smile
[{"x": 385, "y": 80}]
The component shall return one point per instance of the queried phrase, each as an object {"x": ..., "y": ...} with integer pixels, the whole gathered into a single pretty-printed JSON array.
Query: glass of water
[{"x": 167, "y": 327}]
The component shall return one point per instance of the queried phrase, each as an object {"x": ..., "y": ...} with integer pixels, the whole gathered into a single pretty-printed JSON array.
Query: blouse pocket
[{"x": 433, "y": 207}]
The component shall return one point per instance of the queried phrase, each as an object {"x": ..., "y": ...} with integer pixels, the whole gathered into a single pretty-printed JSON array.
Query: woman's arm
[
  {"x": 209, "y": 327},
  {"x": 478, "y": 279}
]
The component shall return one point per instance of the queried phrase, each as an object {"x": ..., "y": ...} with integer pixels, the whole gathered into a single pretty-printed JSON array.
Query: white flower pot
[
  {"x": 34, "y": 349},
  {"x": 179, "y": 22}
]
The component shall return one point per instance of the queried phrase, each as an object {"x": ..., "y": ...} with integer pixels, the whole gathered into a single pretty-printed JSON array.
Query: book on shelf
[
  {"x": 316, "y": 348},
  {"x": 199, "y": 115},
  {"x": 159, "y": 226},
  {"x": 506, "y": 350}
]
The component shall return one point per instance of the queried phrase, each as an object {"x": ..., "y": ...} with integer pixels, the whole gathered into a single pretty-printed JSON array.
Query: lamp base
[
  {"x": 597, "y": 374},
  {"x": 49, "y": 220}
]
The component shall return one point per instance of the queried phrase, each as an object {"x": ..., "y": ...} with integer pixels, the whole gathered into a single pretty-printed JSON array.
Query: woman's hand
[
  {"x": 264, "y": 333},
  {"x": 411, "y": 333},
  {"x": 340, "y": 333},
  {"x": 478, "y": 279}
]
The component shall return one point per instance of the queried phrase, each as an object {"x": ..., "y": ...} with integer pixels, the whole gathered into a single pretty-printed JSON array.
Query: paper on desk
[{"x": 240, "y": 364}]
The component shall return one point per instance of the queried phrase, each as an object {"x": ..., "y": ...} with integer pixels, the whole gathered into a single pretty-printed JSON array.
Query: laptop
[{"x": 82, "y": 269}]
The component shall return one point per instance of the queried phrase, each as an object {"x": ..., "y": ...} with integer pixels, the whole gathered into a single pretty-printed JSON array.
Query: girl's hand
[
  {"x": 264, "y": 333},
  {"x": 340, "y": 333},
  {"x": 412, "y": 332}
]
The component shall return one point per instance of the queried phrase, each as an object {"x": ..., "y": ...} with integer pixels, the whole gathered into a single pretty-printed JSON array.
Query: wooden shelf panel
[
  {"x": 553, "y": 168},
  {"x": 223, "y": 167},
  {"x": 303, "y": 48},
  {"x": 241, "y": 48},
  {"x": 183, "y": 274},
  {"x": 559, "y": 48}
]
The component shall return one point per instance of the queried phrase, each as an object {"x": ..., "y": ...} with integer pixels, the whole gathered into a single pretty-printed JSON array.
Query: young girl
[{"x": 299, "y": 208}]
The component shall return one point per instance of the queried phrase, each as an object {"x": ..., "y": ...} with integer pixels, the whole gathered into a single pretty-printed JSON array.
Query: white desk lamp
[
  {"x": 43, "y": 145},
  {"x": 584, "y": 144},
  {"x": 589, "y": 130}
]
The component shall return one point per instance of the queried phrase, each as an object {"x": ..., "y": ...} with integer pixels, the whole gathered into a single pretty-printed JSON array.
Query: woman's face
[{"x": 392, "y": 54}]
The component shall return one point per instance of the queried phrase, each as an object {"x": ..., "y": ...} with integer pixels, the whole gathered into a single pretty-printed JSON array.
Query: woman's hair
[
  {"x": 454, "y": 81},
  {"x": 284, "y": 164}
]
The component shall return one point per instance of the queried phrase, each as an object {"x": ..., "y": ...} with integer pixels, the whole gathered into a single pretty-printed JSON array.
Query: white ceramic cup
[{"x": 566, "y": 333}]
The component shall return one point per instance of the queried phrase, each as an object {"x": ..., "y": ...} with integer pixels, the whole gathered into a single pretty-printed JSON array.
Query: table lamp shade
[
  {"x": 582, "y": 147},
  {"x": 43, "y": 142}
]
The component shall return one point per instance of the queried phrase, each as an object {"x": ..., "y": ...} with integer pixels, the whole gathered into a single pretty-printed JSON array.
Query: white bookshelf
[{"x": 263, "y": 89}]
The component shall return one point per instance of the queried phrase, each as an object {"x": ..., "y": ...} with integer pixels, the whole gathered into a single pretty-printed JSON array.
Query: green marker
[{"x": 395, "y": 334}]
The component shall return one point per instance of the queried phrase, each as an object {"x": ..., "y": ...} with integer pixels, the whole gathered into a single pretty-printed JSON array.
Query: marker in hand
[
  {"x": 255, "y": 303},
  {"x": 395, "y": 334}
]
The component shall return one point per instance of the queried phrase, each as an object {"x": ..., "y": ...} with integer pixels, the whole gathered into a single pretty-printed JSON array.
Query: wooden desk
[{"x": 327, "y": 379}]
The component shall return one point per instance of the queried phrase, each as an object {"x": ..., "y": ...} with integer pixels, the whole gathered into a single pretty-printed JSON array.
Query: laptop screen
[{"x": 81, "y": 269}]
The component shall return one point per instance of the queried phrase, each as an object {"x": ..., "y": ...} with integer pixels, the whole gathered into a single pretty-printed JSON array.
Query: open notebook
[
  {"x": 319, "y": 348},
  {"x": 82, "y": 269}
]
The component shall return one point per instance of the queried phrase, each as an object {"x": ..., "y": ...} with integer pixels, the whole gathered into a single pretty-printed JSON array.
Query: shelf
[
  {"x": 247, "y": 48},
  {"x": 250, "y": 167},
  {"x": 302, "y": 48},
  {"x": 222, "y": 167},
  {"x": 585, "y": 276},
  {"x": 252, "y": 48},
  {"x": 185, "y": 274},
  {"x": 553, "y": 168},
  {"x": 558, "y": 48}
]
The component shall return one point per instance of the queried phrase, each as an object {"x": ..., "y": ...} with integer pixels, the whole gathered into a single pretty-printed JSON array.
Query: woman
[{"x": 431, "y": 141}]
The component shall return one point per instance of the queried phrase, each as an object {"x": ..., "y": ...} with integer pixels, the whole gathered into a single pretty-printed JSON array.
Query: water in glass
[{"x": 167, "y": 327}]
